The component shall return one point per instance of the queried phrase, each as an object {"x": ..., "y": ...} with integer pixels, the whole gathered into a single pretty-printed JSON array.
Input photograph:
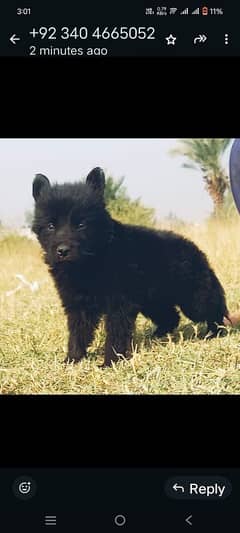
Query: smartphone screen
[{"x": 120, "y": 280}]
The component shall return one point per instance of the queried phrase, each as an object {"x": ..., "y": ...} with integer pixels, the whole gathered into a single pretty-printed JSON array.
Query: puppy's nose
[{"x": 62, "y": 250}]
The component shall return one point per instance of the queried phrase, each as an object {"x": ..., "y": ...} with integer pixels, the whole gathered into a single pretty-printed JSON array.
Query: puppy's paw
[{"x": 69, "y": 360}]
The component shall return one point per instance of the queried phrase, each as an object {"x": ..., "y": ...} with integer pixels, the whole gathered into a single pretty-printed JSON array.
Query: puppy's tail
[
  {"x": 227, "y": 319},
  {"x": 226, "y": 316}
]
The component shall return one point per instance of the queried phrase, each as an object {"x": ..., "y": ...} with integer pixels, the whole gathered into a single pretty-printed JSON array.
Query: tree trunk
[{"x": 216, "y": 188}]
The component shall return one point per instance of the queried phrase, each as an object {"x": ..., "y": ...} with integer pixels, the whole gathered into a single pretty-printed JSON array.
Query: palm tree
[{"x": 205, "y": 155}]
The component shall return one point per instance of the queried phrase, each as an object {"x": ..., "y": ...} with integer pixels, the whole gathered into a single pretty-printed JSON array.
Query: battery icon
[{"x": 204, "y": 10}]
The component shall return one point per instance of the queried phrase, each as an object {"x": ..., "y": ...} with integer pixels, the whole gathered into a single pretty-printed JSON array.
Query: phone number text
[{"x": 83, "y": 32}]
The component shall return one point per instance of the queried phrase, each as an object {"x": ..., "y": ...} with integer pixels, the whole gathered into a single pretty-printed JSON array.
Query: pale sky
[{"x": 150, "y": 173}]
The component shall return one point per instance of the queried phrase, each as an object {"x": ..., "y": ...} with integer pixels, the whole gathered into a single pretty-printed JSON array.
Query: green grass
[{"x": 33, "y": 333}]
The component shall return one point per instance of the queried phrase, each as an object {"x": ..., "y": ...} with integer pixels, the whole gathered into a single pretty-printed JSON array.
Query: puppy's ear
[
  {"x": 40, "y": 182},
  {"x": 96, "y": 180}
]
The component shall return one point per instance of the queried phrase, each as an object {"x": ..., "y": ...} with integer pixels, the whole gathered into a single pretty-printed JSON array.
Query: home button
[{"x": 120, "y": 520}]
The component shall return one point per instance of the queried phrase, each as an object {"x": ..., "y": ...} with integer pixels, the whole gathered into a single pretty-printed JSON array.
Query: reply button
[{"x": 198, "y": 488}]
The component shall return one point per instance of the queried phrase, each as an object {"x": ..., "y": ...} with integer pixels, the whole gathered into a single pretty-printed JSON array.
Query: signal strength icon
[
  {"x": 184, "y": 12},
  {"x": 196, "y": 11}
]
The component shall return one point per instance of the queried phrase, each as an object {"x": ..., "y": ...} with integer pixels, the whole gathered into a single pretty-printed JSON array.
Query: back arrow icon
[
  {"x": 13, "y": 39},
  {"x": 188, "y": 520}
]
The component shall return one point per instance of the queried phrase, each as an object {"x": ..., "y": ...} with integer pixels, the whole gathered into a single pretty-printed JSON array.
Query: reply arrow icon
[{"x": 177, "y": 487}]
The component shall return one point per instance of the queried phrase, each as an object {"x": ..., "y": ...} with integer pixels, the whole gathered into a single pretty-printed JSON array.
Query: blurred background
[{"x": 173, "y": 179}]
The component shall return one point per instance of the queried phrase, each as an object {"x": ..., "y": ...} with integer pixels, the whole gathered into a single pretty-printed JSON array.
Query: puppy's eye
[
  {"x": 81, "y": 225},
  {"x": 51, "y": 227}
]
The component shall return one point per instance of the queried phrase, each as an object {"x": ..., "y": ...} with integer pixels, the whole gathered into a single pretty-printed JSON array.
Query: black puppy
[{"x": 102, "y": 267}]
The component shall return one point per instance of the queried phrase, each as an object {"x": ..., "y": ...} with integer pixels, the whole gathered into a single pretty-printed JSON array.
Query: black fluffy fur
[{"x": 102, "y": 267}]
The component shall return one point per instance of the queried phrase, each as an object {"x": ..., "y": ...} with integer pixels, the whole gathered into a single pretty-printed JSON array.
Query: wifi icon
[{"x": 173, "y": 10}]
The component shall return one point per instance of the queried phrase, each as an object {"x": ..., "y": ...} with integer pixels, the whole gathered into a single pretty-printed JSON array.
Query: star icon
[{"x": 171, "y": 39}]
